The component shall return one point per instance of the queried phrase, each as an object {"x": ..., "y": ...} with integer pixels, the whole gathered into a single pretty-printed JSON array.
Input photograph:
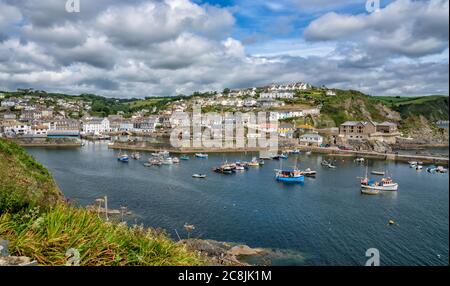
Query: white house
[
  {"x": 15, "y": 128},
  {"x": 276, "y": 95},
  {"x": 330, "y": 92},
  {"x": 39, "y": 130},
  {"x": 311, "y": 139},
  {"x": 95, "y": 125}
]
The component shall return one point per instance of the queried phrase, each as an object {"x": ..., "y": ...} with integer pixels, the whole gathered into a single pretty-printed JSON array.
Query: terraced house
[{"x": 369, "y": 130}]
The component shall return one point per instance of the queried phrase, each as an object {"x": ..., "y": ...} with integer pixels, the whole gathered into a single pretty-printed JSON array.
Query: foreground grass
[
  {"x": 38, "y": 223},
  {"x": 47, "y": 236}
]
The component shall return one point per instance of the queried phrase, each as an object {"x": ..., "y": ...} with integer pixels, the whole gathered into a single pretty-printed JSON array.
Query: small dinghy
[
  {"x": 199, "y": 176},
  {"x": 378, "y": 173}
]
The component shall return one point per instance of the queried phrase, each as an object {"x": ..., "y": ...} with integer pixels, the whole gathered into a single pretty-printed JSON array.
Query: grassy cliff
[{"x": 38, "y": 224}]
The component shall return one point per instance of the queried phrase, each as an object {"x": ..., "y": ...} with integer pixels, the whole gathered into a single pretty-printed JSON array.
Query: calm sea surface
[{"x": 325, "y": 221}]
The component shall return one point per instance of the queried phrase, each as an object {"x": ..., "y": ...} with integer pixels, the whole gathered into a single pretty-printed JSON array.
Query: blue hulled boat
[{"x": 289, "y": 176}]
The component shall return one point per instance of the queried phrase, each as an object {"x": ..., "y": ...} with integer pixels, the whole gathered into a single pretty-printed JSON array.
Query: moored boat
[
  {"x": 167, "y": 161},
  {"x": 289, "y": 176},
  {"x": 184, "y": 157},
  {"x": 175, "y": 160},
  {"x": 386, "y": 184},
  {"x": 136, "y": 155},
  {"x": 199, "y": 176},
  {"x": 379, "y": 173},
  {"x": 201, "y": 155},
  {"x": 309, "y": 173},
  {"x": 123, "y": 157}
]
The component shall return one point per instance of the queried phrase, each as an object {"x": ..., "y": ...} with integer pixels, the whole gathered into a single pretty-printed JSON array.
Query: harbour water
[{"x": 325, "y": 221}]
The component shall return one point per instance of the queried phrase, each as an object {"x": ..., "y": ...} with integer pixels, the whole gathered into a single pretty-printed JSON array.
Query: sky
[{"x": 140, "y": 48}]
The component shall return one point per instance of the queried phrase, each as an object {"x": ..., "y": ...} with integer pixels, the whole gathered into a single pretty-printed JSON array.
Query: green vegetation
[
  {"x": 38, "y": 224},
  {"x": 433, "y": 107},
  {"x": 24, "y": 182},
  {"x": 47, "y": 236}
]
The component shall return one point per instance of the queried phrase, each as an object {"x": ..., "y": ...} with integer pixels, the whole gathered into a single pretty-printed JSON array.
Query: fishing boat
[
  {"x": 309, "y": 173},
  {"x": 265, "y": 157},
  {"x": 184, "y": 158},
  {"x": 201, "y": 155},
  {"x": 199, "y": 176},
  {"x": 175, "y": 160},
  {"x": 228, "y": 170},
  {"x": 308, "y": 152},
  {"x": 331, "y": 166},
  {"x": 239, "y": 168},
  {"x": 369, "y": 186},
  {"x": 379, "y": 173},
  {"x": 167, "y": 161},
  {"x": 441, "y": 169},
  {"x": 254, "y": 162},
  {"x": 261, "y": 162},
  {"x": 359, "y": 160},
  {"x": 295, "y": 152},
  {"x": 419, "y": 167},
  {"x": 136, "y": 155},
  {"x": 123, "y": 157},
  {"x": 289, "y": 176},
  {"x": 413, "y": 164},
  {"x": 325, "y": 163},
  {"x": 370, "y": 191},
  {"x": 155, "y": 162},
  {"x": 164, "y": 153},
  {"x": 283, "y": 156},
  {"x": 386, "y": 184}
]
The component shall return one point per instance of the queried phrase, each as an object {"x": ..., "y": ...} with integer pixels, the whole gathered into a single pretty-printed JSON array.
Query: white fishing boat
[
  {"x": 175, "y": 160},
  {"x": 308, "y": 152},
  {"x": 371, "y": 187},
  {"x": 199, "y": 176},
  {"x": 359, "y": 160},
  {"x": 136, "y": 155},
  {"x": 385, "y": 185},
  {"x": 419, "y": 167},
  {"x": 379, "y": 173},
  {"x": 201, "y": 155},
  {"x": 370, "y": 191},
  {"x": 167, "y": 161}
]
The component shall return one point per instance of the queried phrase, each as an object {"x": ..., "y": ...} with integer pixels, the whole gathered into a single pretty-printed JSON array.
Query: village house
[
  {"x": 286, "y": 130},
  {"x": 360, "y": 130},
  {"x": 39, "y": 130},
  {"x": 330, "y": 92},
  {"x": 9, "y": 116},
  {"x": 14, "y": 128},
  {"x": 276, "y": 95},
  {"x": 126, "y": 126},
  {"x": 63, "y": 127},
  {"x": 95, "y": 126},
  {"x": 357, "y": 130},
  {"x": 269, "y": 103},
  {"x": 10, "y": 102},
  {"x": 311, "y": 139},
  {"x": 286, "y": 114},
  {"x": 145, "y": 125}
]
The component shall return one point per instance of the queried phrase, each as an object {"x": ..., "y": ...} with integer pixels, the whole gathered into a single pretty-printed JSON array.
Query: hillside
[
  {"x": 346, "y": 105},
  {"x": 24, "y": 183},
  {"x": 433, "y": 107},
  {"x": 39, "y": 225}
]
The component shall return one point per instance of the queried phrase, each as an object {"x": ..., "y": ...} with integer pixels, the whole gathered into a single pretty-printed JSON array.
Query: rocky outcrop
[{"x": 222, "y": 253}]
